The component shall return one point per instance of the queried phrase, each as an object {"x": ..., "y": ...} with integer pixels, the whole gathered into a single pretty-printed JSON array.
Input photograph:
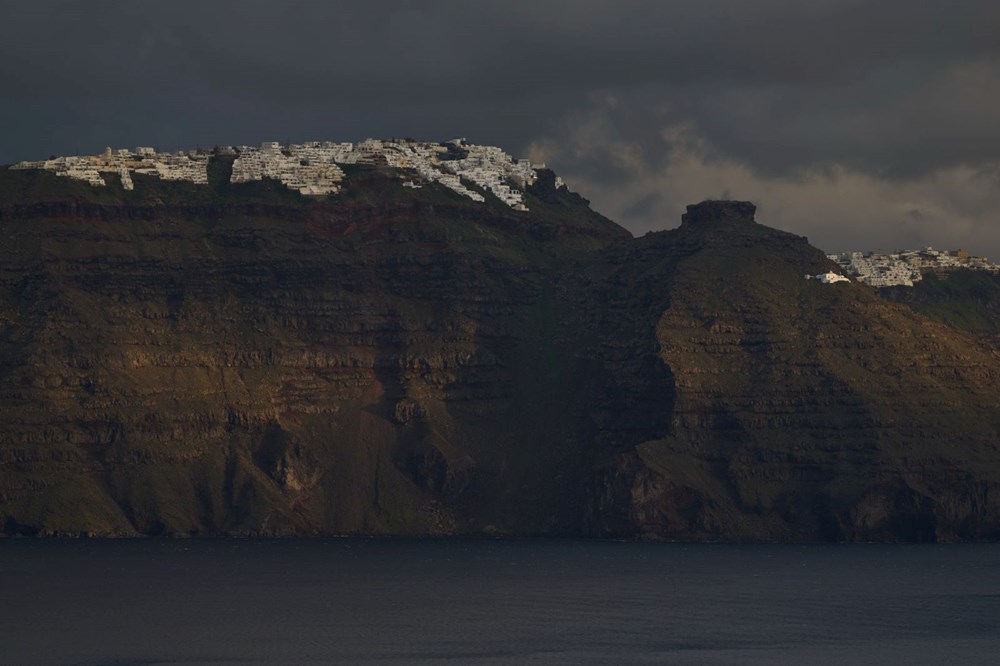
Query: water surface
[{"x": 426, "y": 601}]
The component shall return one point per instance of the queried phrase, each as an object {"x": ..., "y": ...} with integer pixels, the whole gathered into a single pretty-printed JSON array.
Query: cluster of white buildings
[
  {"x": 905, "y": 267},
  {"x": 422, "y": 157},
  {"x": 494, "y": 170},
  {"x": 310, "y": 168},
  {"x": 877, "y": 270},
  {"x": 190, "y": 166},
  {"x": 453, "y": 164},
  {"x": 314, "y": 168}
]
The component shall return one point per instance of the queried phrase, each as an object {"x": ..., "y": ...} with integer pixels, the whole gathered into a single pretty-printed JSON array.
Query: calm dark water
[{"x": 426, "y": 601}]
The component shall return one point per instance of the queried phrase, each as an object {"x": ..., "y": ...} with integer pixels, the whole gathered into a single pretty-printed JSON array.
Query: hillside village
[
  {"x": 190, "y": 165},
  {"x": 905, "y": 267},
  {"x": 314, "y": 168}
]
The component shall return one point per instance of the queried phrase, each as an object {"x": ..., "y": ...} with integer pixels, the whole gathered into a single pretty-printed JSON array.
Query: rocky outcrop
[
  {"x": 718, "y": 211},
  {"x": 801, "y": 411}
]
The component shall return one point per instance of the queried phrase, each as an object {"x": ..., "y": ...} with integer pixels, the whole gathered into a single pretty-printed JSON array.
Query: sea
[{"x": 494, "y": 601}]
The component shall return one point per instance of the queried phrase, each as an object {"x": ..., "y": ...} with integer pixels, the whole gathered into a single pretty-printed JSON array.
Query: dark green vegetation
[
  {"x": 238, "y": 359},
  {"x": 967, "y": 300}
]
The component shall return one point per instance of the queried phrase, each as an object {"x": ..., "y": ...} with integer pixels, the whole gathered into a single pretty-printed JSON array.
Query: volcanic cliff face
[
  {"x": 800, "y": 410},
  {"x": 254, "y": 362},
  {"x": 241, "y": 360}
]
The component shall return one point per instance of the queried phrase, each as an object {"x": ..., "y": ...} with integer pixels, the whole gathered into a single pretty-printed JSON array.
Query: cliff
[
  {"x": 244, "y": 360},
  {"x": 239, "y": 359},
  {"x": 799, "y": 410}
]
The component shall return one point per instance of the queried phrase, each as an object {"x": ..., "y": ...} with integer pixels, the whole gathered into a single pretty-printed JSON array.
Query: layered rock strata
[
  {"x": 408, "y": 361},
  {"x": 800, "y": 411}
]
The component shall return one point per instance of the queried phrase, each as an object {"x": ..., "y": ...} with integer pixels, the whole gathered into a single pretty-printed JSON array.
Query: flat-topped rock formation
[{"x": 719, "y": 210}]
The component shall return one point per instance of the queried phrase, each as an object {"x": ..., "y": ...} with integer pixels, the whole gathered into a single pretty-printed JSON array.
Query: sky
[{"x": 860, "y": 124}]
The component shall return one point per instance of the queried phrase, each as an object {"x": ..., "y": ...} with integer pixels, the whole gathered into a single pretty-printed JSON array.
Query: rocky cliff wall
[
  {"x": 276, "y": 368},
  {"x": 802, "y": 411},
  {"x": 402, "y": 362}
]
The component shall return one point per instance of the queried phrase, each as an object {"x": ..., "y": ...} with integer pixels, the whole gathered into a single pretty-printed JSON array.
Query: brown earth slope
[{"x": 239, "y": 360}]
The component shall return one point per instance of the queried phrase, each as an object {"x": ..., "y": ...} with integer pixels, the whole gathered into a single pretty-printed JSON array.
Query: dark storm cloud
[
  {"x": 779, "y": 84},
  {"x": 613, "y": 94}
]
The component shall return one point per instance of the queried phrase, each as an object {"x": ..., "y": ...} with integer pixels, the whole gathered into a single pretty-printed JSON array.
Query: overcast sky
[{"x": 861, "y": 124}]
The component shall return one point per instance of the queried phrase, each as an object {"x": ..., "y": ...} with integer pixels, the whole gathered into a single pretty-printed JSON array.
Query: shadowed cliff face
[
  {"x": 802, "y": 411},
  {"x": 253, "y": 365},
  {"x": 399, "y": 361}
]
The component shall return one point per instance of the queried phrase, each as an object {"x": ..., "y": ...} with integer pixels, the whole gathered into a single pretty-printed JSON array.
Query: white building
[
  {"x": 828, "y": 278},
  {"x": 314, "y": 168}
]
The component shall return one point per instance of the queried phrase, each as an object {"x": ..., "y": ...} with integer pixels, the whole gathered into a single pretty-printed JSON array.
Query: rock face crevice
[{"x": 401, "y": 361}]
